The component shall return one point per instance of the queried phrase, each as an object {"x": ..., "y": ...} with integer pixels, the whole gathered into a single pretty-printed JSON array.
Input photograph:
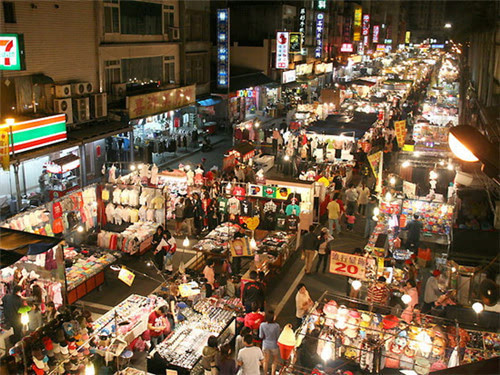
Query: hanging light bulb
[
  {"x": 477, "y": 307},
  {"x": 392, "y": 181},
  {"x": 406, "y": 299},
  {"x": 187, "y": 167},
  {"x": 286, "y": 158},
  {"x": 25, "y": 319},
  {"x": 253, "y": 243},
  {"x": 450, "y": 167},
  {"x": 356, "y": 284},
  {"x": 89, "y": 369},
  {"x": 388, "y": 196},
  {"x": 433, "y": 175},
  {"x": 79, "y": 229},
  {"x": 327, "y": 352},
  {"x": 132, "y": 167},
  {"x": 376, "y": 211},
  {"x": 185, "y": 243},
  {"x": 453, "y": 269},
  {"x": 405, "y": 164}
]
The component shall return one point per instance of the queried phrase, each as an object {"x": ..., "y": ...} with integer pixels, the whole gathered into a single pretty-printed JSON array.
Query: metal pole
[{"x": 131, "y": 139}]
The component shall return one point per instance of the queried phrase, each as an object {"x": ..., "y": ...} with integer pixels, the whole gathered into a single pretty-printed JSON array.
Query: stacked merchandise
[
  {"x": 85, "y": 268},
  {"x": 207, "y": 305},
  {"x": 436, "y": 217},
  {"x": 376, "y": 341},
  {"x": 130, "y": 315},
  {"x": 217, "y": 240},
  {"x": 276, "y": 244},
  {"x": 136, "y": 238},
  {"x": 183, "y": 348}
]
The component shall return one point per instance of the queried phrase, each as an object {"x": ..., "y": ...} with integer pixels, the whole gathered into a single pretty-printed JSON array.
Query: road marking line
[{"x": 94, "y": 305}]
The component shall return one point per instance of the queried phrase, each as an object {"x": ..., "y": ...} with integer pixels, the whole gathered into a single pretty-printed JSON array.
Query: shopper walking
[
  {"x": 250, "y": 358},
  {"x": 11, "y": 304},
  {"x": 158, "y": 252},
  {"x": 189, "y": 217},
  {"x": 333, "y": 216},
  {"x": 351, "y": 197},
  {"x": 225, "y": 362},
  {"x": 432, "y": 292},
  {"x": 209, "y": 356},
  {"x": 363, "y": 196},
  {"x": 303, "y": 303},
  {"x": 269, "y": 332},
  {"x": 179, "y": 216},
  {"x": 325, "y": 239},
  {"x": 370, "y": 212},
  {"x": 309, "y": 247},
  {"x": 410, "y": 289},
  {"x": 252, "y": 293},
  {"x": 209, "y": 273}
]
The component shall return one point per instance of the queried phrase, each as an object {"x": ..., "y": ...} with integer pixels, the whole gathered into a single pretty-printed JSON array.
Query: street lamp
[
  {"x": 468, "y": 144},
  {"x": 477, "y": 307},
  {"x": 406, "y": 299}
]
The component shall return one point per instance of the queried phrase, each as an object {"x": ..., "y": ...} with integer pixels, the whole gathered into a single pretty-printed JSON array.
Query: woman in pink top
[{"x": 410, "y": 289}]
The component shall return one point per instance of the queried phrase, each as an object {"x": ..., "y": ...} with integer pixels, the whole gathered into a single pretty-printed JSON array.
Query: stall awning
[
  {"x": 245, "y": 81},
  {"x": 15, "y": 244},
  {"x": 99, "y": 130},
  {"x": 64, "y": 164},
  {"x": 244, "y": 148},
  {"x": 209, "y": 101}
]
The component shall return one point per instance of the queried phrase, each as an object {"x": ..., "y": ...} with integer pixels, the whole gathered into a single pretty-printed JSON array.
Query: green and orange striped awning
[{"x": 28, "y": 135}]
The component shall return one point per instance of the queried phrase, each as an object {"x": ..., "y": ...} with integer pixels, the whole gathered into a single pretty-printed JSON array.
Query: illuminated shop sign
[
  {"x": 282, "y": 39},
  {"x": 346, "y": 47},
  {"x": 387, "y": 41},
  {"x": 357, "y": 24},
  {"x": 321, "y": 4},
  {"x": 407, "y": 37},
  {"x": 295, "y": 43},
  {"x": 223, "y": 48},
  {"x": 366, "y": 24},
  {"x": 289, "y": 76},
  {"x": 304, "y": 69},
  {"x": 438, "y": 46},
  {"x": 380, "y": 47},
  {"x": 320, "y": 24},
  {"x": 12, "y": 52},
  {"x": 376, "y": 31},
  {"x": 246, "y": 93},
  {"x": 28, "y": 135}
]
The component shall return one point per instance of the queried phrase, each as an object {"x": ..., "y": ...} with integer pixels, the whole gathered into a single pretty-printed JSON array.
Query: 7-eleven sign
[{"x": 11, "y": 52}]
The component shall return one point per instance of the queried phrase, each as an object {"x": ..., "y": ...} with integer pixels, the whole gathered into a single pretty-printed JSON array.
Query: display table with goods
[
  {"x": 86, "y": 271},
  {"x": 126, "y": 321},
  {"x": 279, "y": 245},
  {"x": 182, "y": 349},
  {"x": 376, "y": 342},
  {"x": 216, "y": 242}
]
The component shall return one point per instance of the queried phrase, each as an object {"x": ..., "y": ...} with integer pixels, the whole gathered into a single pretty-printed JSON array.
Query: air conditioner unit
[
  {"x": 81, "y": 109},
  {"x": 64, "y": 106},
  {"x": 119, "y": 90},
  {"x": 98, "y": 105},
  {"x": 82, "y": 88},
  {"x": 62, "y": 91},
  {"x": 174, "y": 33}
]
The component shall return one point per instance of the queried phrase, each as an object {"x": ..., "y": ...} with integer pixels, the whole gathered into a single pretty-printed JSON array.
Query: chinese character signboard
[
  {"x": 160, "y": 101},
  {"x": 223, "y": 48},
  {"x": 346, "y": 47},
  {"x": 28, "y": 135},
  {"x": 295, "y": 43},
  {"x": 320, "y": 24},
  {"x": 289, "y": 76},
  {"x": 366, "y": 24},
  {"x": 376, "y": 32},
  {"x": 12, "y": 52},
  {"x": 302, "y": 25},
  {"x": 357, "y": 24},
  {"x": 348, "y": 265},
  {"x": 282, "y": 41},
  {"x": 321, "y": 4},
  {"x": 4, "y": 150}
]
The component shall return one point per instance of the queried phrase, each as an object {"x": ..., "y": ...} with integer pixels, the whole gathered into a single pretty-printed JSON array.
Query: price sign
[
  {"x": 126, "y": 276},
  {"x": 347, "y": 265}
]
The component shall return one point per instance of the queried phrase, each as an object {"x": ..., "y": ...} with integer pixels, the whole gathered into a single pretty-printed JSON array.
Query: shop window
[
  {"x": 112, "y": 74},
  {"x": 142, "y": 70},
  {"x": 111, "y": 17},
  {"x": 9, "y": 12},
  {"x": 169, "y": 69},
  {"x": 140, "y": 18},
  {"x": 168, "y": 19}
]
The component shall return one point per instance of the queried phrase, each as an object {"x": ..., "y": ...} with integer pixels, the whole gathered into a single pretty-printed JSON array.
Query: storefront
[{"x": 164, "y": 121}]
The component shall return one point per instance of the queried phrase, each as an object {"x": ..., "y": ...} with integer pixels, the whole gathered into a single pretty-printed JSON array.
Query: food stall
[
  {"x": 63, "y": 175},
  {"x": 241, "y": 153}
]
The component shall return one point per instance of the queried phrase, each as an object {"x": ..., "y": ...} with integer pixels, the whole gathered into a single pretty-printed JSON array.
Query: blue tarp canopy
[
  {"x": 359, "y": 123},
  {"x": 210, "y": 101}
]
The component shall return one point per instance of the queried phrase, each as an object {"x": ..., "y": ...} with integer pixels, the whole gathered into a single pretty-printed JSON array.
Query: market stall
[
  {"x": 63, "y": 175},
  {"x": 345, "y": 328},
  {"x": 241, "y": 153}
]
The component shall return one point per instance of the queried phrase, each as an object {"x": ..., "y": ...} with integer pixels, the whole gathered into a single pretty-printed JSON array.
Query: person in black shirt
[
  {"x": 414, "y": 228},
  {"x": 252, "y": 292},
  {"x": 309, "y": 247},
  {"x": 158, "y": 253},
  {"x": 11, "y": 304}
]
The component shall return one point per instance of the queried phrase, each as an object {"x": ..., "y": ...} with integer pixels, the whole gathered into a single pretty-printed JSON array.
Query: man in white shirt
[
  {"x": 303, "y": 303},
  {"x": 250, "y": 358}
]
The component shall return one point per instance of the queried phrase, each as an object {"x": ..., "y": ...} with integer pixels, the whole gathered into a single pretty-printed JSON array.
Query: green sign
[{"x": 12, "y": 52}]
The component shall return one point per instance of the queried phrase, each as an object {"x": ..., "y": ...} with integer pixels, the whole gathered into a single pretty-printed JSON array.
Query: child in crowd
[{"x": 351, "y": 219}]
